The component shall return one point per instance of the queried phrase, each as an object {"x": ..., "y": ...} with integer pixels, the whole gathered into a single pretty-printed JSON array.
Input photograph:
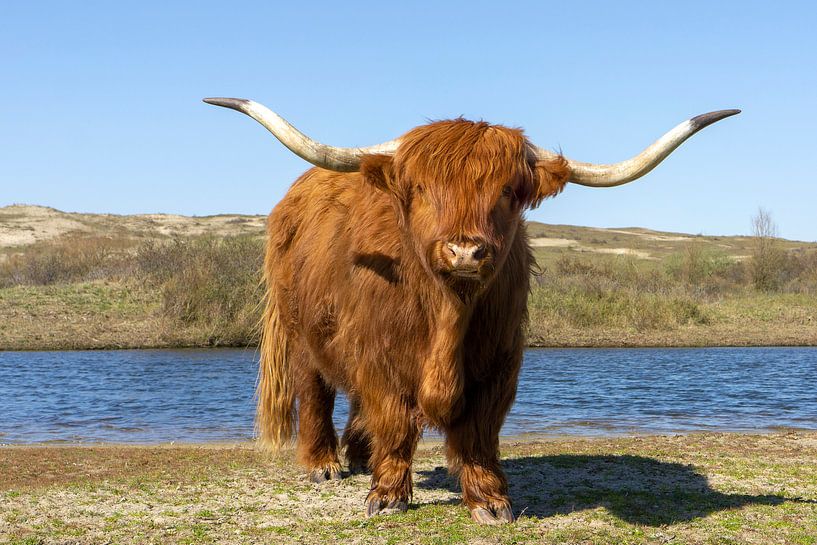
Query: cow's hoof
[
  {"x": 358, "y": 468},
  {"x": 323, "y": 474},
  {"x": 378, "y": 506},
  {"x": 500, "y": 515}
]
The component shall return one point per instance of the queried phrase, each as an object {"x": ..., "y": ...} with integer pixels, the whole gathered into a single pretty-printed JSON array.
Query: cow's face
[{"x": 460, "y": 188}]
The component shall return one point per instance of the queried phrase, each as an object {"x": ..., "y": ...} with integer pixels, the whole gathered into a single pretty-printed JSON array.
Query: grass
[
  {"x": 692, "y": 298},
  {"x": 200, "y": 291},
  {"x": 703, "y": 488},
  {"x": 209, "y": 282},
  {"x": 83, "y": 315},
  {"x": 165, "y": 281}
]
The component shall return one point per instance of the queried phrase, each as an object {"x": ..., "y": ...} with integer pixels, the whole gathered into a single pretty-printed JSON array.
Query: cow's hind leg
[
  {"x": 356, "y": 441},
  {"x": 317, "y": 440},
  {"x": 394, "y": 432}
]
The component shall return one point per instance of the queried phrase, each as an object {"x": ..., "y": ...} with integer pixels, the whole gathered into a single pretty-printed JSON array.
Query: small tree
[{"x": 767, "y": 256}]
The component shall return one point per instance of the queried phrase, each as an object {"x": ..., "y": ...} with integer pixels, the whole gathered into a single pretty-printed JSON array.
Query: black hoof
[
  {"x": 500, "y": 515},
  {"x": 378, "y": 506},
  {"x": 321, "y": 475},
  {"x": 357, "y": 468}
]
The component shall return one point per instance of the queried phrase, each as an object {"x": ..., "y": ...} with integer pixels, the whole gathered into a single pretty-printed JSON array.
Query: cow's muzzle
[{"x": 466, "y": 259}]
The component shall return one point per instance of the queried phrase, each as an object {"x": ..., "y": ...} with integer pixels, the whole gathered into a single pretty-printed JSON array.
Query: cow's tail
[{"x": 275, "y": 413}]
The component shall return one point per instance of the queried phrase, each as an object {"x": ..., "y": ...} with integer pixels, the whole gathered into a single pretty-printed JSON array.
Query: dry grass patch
[
  {"x": 170, "y": 281},
  {"x": 712, "y": 488}
]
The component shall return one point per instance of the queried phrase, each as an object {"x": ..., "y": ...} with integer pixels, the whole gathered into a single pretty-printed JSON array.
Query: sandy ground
[
  {"x": 711, "y": 488},
  {"x": 649, "y": 235},
  {"x": 21, "y": 224},
  {"x": 544, "y": 242}
]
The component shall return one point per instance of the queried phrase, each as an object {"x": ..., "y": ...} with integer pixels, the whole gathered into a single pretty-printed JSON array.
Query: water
[{"x": 149, "y": 396}]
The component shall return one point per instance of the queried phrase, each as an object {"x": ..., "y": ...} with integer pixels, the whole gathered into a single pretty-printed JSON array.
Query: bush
[
  {"x": 799, "y": 272},
  {"x": 767, "y": 257},
  {"x": 209, "y": 282},
  {"x": 582, "y": 308},
  {"x": 704, "y": 270},
  {"x": 72, "y": 258},
  {"x": 616, "y": 293}
]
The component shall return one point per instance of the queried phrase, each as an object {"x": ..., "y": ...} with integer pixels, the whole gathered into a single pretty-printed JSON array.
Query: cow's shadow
[{"x": 635, "y": 489}]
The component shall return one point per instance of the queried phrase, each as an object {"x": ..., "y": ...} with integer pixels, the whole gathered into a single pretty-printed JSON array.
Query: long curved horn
[
  {"x": 593, "y": 175},
  {"x": 321, "y": 155}
]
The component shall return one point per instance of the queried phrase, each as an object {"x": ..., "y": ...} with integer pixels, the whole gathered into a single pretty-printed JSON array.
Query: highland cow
[{"x": 399, "y": 274}]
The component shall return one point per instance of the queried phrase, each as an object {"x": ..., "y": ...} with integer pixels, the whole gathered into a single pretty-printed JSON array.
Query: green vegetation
[
  {"x": 98, "y": 293},
  {"x": 209, "y": 282},
  {"x": 702, "y": 488},
  {"x": 155, "y": 282},
  {"x": 666, "y": 289},
  {"x": 692, "y": 288}
]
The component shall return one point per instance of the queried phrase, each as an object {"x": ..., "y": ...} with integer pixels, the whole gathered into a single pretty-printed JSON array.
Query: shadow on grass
[{"x": 636, "y": 489}]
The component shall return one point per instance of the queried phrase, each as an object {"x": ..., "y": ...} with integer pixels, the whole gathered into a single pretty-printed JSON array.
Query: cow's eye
[{"x": 507, "y": 191}]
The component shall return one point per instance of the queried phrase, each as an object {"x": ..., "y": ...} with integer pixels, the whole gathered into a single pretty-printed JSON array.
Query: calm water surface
[{"x": 149, "y": 396}]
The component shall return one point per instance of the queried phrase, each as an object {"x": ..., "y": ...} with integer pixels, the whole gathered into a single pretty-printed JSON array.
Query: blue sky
[{"x": 100, "y": 102}]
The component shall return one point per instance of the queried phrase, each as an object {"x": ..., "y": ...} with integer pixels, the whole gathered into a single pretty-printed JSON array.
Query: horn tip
[
  {"x": 704, "y": 120},
  {"x": 234, "y": 103}
]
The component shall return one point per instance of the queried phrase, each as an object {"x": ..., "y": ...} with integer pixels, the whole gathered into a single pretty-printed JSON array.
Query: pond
[{"x": 152, "y": 396}]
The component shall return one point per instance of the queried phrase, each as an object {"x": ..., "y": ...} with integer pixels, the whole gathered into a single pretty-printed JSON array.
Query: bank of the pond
[
  {"x": 724, "y": 335},
  {"x": 140, "y": 339},
  {"x": 701, "y": 488},
  {"x": 113, "y": 315},
  {"x": 169, "y": 281}
]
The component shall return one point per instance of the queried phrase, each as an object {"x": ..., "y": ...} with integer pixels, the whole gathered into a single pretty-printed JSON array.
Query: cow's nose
[{"x": 465, "y": 255}]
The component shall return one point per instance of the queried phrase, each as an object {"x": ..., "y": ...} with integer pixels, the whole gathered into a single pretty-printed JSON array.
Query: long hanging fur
[
  {"x": 356, "y": 301},
  {"x": 275, "y": 413}
]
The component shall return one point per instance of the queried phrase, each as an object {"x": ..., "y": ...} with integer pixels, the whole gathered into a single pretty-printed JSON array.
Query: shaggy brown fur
[{"x": 362, "y": 296}]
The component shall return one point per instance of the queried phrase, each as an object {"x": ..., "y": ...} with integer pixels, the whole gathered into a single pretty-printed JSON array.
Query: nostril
[{"x": 465, "y": 252}]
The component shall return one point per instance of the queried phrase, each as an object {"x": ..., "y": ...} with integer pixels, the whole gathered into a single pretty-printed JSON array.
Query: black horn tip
[
  {"x": 703, "y": 120},
  {"x": 234, "y": 103}
]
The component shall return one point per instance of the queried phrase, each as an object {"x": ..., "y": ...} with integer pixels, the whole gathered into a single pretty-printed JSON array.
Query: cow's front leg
[
  {"x": 472, "y": 444},
  {"x": 485, "y": 491},
  {"x": 394, "y": 432}
]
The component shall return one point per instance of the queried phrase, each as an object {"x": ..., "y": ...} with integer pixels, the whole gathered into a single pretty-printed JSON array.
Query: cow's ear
[
  {"x": 550, "y": 177},
  {"x": 378, "y": 170}
]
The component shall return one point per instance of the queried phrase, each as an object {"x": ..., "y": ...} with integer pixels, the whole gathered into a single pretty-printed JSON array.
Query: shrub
[
  {"x": 799, "y": 272},
  {"x": 705, "y": 270},
  {"x": 209, "y": 282},
  {"x": 616, "y": 293},
  {"x": 71, "y": 258},
  {"x": 767, "y": 257}
]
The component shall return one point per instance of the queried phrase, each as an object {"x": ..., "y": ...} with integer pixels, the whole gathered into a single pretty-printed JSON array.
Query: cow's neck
[
  {"x": 447, "y": 314},
  {"x": 441, "y": 380}
]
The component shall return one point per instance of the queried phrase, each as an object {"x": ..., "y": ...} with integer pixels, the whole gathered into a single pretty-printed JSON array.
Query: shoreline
[
  {"x": 533, "y": 346},
  {"x": 424, "y": 442},
  {"x": 114, "y": 315}
]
